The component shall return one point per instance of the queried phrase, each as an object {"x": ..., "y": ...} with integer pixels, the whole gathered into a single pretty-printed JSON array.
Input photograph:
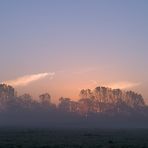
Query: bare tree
[{"x": 65, "y": 104}]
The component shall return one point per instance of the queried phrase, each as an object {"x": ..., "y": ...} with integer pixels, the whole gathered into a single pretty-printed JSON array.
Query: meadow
[{"x": 73, "y": 138}]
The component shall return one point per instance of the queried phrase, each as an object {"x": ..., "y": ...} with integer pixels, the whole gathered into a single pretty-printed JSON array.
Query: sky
[{"x": 62, "y": 46}]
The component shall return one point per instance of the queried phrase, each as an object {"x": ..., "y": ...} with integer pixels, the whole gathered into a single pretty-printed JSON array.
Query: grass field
[{"x": 76, "y": 138}]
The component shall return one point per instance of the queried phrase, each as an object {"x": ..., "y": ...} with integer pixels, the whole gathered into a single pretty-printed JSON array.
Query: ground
[{"x": 74, "y": 138}]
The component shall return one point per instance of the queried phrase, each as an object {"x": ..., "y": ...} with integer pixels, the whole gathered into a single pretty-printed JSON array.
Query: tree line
[{"x": 92, "y": 104}]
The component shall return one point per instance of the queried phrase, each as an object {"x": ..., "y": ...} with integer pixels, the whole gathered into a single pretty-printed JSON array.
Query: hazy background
[{"x": 73, "y": 45}]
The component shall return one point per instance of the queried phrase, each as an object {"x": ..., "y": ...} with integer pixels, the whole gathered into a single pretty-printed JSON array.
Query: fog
[{"x": 99, "y": 108}]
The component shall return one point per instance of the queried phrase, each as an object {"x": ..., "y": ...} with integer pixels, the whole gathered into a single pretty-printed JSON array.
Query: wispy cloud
[
  {"x": 123, "y": 85},
  {"x": 27, "y": 79},
  {"x": 113, "y": 85}
]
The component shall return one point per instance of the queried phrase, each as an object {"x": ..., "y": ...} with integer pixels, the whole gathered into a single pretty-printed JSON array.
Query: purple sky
[{"x": 82, "y": 43}]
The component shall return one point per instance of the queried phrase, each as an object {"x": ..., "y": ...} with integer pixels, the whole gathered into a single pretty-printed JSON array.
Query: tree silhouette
[
  {"x": 64, "y": 104},
  {"x": 45, "y": 101},
  {"x": 97, "y": 103},
  {"x": 7, "y": 96}
]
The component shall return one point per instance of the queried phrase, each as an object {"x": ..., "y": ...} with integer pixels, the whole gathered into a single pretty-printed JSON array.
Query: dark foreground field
[{"x": 78, "y": 138}]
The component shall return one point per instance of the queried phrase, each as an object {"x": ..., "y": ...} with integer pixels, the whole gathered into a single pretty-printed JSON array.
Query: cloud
[
  {"x": 27, "y": 79},
  {"x": 114, "y": 85},
  {"x": 123, "y": 85}
]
